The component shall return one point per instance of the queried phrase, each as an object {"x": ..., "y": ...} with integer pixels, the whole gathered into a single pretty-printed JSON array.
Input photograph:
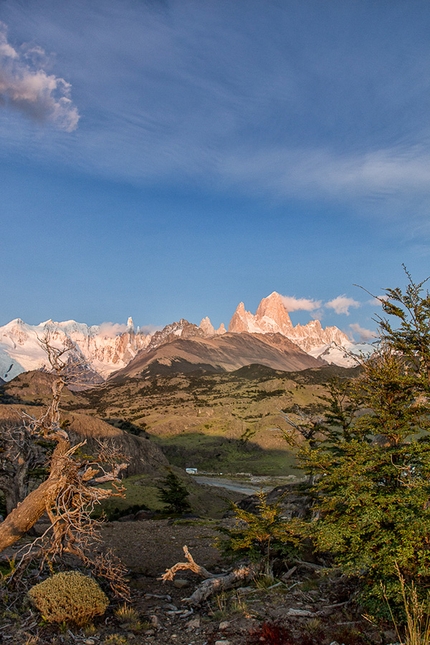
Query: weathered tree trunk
[
  {"x": 212, "y": 583},
  {"x": 11, "y": 492},
  {"x": 26, "y": 514},
  {"x": 216, "y": 584}
]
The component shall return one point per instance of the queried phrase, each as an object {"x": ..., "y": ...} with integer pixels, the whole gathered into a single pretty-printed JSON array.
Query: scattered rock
[
  {"x": 154, "y": 621},
  {"x": 187, "y": 613},
  {"x": 193, "y": 624},
  {"x": 303, "y": 613},
  {"x": 223, "y": 642},
  {"x": 224, "y": 625},
  {"x": 160, "y": 596},
  {"x": 126, "y": 518},
  {"x": 180, "y": 583},
  {"x": 143, "y": 515}
]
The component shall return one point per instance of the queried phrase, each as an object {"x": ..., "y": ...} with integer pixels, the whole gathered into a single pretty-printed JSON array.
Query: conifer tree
[
  {"x": 373, "y": 474},
  {"x": 174, "y": 494}
]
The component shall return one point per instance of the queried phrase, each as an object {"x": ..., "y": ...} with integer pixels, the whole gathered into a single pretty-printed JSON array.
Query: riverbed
[{"x": 249, "y": 486}]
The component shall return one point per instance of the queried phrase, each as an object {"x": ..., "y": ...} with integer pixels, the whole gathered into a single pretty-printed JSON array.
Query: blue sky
[{"x": 169, "y": 159}]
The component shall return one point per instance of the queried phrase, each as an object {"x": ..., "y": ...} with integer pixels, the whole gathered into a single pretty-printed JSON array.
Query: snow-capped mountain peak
[
  {"x": 272, "y": 317},
  {"x": 21, "y": 350}
]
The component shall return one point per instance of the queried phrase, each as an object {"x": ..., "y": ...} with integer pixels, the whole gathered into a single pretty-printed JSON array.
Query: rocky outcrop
[
  {"x": 243, "y": 321},
  {"x": 272, "y": 317},
  {"x": 293, "y": 499},
  {"x": 180, "y": 329},
  {"x": 209, "y": 330}
]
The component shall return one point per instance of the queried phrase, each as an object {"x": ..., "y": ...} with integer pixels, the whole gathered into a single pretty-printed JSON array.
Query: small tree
[
  {"x": 373, "y": 474},
  {"x": 174, "y": 494},
  {"x": 261, "y": 536}
]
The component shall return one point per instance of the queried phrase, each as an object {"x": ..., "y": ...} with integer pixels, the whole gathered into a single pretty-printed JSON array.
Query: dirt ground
[
  {"x": 149, "y": 548},
  {"x": 306, "y": 610},
  {"x": 301, "y": 607}
]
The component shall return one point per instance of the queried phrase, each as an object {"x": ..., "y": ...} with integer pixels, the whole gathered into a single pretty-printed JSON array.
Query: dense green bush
[
  {"x": 372, "y": 468},
  {"x": 69, "y": 597}
]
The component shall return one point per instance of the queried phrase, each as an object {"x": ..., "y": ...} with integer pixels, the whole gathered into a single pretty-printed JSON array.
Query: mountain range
[{"x": 267, "y": 338}]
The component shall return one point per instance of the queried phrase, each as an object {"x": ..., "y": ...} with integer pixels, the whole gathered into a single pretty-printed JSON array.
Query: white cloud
[
  {"x": 377, "y": 300},
  {"x": 300, "y": 304},
  {"x": 110, "y": 330},
  {"x": 26, "y": 86},
  {"x": 342, "y": 304},
  {"x": 150, "y": 329},
  {"x": 364, "y": 335}
]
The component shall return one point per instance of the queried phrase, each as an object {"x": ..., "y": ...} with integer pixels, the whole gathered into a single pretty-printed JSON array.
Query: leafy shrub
[
  {"x": 260, "y": 536},
  {"x": 69, "y": 597}
]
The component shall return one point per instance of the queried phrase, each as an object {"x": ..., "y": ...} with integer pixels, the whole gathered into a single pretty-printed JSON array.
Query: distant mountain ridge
[
  {"x": 100, "y": 348},
  {"x": 106, "y": 349},
  {"x": 226, "y": 352},
  {"x": 328, "y": 343}
]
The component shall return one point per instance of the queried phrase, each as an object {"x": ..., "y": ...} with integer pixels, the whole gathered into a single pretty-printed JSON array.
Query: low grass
[
  {"x": 141, "y": 490},
  {"x": 214, "y": 453}
]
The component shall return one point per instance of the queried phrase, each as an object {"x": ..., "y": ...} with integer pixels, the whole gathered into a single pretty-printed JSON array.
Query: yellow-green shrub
[{"x": 69, "y": 597}]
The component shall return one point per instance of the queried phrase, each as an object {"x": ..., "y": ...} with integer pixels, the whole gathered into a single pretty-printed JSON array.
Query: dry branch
[
  {"x": 26, "y": 514},
  {"x": 191, "y": 565},
  {"x": 213, "y": 583}
]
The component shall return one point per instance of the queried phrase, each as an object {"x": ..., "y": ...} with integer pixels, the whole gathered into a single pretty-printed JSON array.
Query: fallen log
[
  {"x": 212, "y": 583},
  {"x": 221, "y": 583}
]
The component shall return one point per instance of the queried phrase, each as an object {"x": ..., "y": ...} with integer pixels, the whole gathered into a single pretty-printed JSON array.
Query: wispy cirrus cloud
[
  {"x": 342, "y": 304},
  {"x": 26, "y": 86},
  {"x": 300, "y": 304},
  {"x": 389, "y": 179},
  {"x": 196, "y": 101}
]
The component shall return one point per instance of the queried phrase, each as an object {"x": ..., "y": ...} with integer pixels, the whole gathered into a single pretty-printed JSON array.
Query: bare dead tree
[{"x": 71, "y": 490}]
